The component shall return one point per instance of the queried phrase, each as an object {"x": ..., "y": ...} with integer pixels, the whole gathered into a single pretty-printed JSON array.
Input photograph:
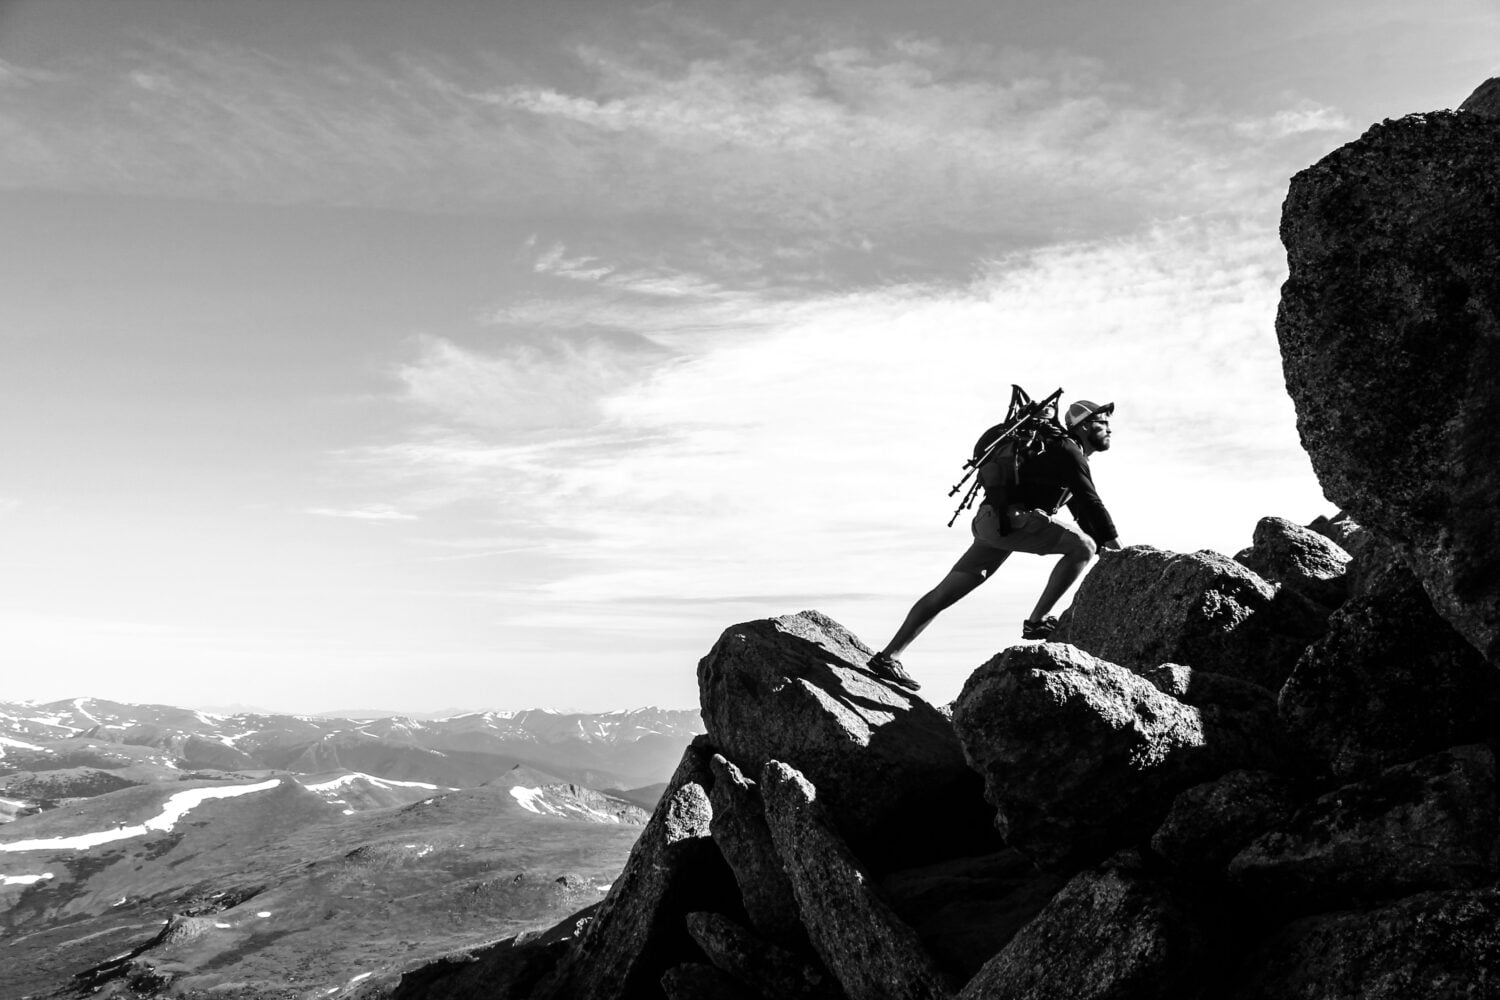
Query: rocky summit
[{"x": 1266, "y": 777}]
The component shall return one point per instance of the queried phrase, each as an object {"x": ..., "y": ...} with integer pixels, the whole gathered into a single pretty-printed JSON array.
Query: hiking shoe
[
  {"x": 1041, "y": 629},
  {"x": 888, "y": 668}
]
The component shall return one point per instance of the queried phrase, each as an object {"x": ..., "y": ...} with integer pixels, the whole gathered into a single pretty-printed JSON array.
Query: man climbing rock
[{"x": 1018, "y": 517}]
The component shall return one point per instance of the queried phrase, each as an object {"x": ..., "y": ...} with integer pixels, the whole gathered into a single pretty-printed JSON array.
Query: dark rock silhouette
[
  {"x": 1390, "y": 681},
  {"x": 1255, "y": 779},
  {"x": 1391, "y": 345}
]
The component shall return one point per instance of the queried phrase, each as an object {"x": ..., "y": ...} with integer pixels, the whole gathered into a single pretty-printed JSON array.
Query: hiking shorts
[{"x": 1033, "y": 531}]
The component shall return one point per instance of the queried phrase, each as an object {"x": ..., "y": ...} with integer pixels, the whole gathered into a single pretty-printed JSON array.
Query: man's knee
[{"x": 1080, "y": 547}]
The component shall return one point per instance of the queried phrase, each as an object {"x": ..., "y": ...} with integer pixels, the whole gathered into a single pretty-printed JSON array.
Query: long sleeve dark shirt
[{"x": 1061, "y": 473}]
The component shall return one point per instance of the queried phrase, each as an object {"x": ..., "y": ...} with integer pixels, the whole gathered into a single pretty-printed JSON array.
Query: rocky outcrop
[
  {"x": 888, "y": 768},
  {"x": 1299, "y": 559},
  {"x": 1143, "y": 606},
  {"x": 1390, "y": 344}
]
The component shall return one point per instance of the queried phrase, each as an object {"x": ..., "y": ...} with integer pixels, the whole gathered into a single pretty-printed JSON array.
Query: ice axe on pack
[{"x": 1018, "y": 417}]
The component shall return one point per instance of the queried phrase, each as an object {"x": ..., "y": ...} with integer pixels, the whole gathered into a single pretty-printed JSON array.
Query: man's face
[{"x": 1096, "y": 431}]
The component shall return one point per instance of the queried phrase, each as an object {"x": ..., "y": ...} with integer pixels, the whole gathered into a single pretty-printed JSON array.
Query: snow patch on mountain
[
  {"x": 346, "y": 779},
  {"x": 539, "y": 801},
  {"x": 172, "y": 811},
  {"x": 25, "y": 879}
]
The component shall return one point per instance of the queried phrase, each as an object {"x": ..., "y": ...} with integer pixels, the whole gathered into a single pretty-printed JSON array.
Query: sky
[{"x": 417, "y": 356}]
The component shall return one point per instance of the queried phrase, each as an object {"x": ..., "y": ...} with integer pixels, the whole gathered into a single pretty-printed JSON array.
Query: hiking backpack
[{"x": 1005, "y": 447}]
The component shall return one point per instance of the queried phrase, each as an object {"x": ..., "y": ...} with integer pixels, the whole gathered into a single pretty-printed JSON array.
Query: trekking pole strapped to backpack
[{"x": 1016, "y": 435}]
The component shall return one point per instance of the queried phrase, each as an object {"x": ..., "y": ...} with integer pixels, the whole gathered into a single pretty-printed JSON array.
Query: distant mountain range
[
  {"x": 142, "y": 845},
  {"x": 623, "y": 749}
]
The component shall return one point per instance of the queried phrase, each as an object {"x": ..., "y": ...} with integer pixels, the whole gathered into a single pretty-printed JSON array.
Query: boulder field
[{"x": 1263, "y": 777}]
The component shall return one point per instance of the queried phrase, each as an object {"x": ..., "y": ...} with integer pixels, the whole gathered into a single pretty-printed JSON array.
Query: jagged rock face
[
  {"x": 1429, "y": 824},
  {"x": 1390, "y": 682},
  {"x": 1391, "y": 346},
  {"x": 886, "y": 763},
  {"x": 872, "y": 952},
  {"x": 637, "y": 929},
  {"x": 1110, "y": 933},
  {"x": 739, "y": 829},
  {"x": 1143, "y": 606},
  {"x": 1298, "y": 558},
  {"x": 1431, "y": 945},
  {"x": 1080, "y": 755}
]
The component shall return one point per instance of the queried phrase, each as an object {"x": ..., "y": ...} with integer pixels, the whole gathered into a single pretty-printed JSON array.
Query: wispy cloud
[
  {"x": 526, "y": 383},
  {"x": 792, "y": 137},
  {"x": 1306, "y": 117},
  {"x": 373, "y": 512}
]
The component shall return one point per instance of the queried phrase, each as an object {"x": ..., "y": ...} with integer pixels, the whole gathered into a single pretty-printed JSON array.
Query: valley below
[{"x": 337, "y": 854}]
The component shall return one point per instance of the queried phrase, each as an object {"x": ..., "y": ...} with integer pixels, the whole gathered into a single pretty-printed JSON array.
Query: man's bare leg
[
  {"x": 952, "y": 588},
  {"x": 1067, "y": 571}
]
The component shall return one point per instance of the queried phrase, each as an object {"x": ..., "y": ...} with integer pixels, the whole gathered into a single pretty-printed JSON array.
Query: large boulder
[
  {"x": 871, "y": 951},
  {"x": 1080, "y": 756},
  {"x": 887, "y": 765},
  {"x": 1390, "y": 339},
  {"x": 1430, "y": 824},
  {"x": 1143, "y": 606},
  {"x": 1431, "y": 946},
  {"x": 1298, "y": 558},
  {"x": 1391, "y": 681},
  {"x": 1114, "y": 933}
]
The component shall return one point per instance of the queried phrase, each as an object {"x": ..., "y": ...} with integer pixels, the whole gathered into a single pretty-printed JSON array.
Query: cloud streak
[{"x": 791, "y": 137}]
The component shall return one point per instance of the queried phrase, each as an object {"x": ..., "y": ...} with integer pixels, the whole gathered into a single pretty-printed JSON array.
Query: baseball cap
[{"x": 1082, "y": 410}]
